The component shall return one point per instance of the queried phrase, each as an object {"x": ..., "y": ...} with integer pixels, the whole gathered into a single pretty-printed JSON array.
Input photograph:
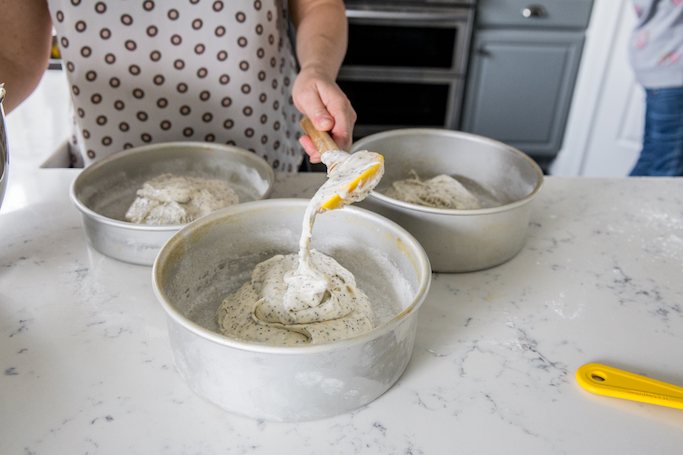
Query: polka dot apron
[{"x": 150, "y": 71}]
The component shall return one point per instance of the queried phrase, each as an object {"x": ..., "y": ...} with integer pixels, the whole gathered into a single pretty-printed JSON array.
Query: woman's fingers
[{"x": 328, "y": 108}]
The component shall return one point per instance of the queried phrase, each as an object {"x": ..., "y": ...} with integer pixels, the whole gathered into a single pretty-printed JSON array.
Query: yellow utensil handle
[
  {"x": 321, "y": 139},
  {"x": 613, "y": 382}
]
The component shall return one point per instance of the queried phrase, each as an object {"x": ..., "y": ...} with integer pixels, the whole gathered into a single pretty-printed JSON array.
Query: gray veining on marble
[{"x": 85, "y": 365}]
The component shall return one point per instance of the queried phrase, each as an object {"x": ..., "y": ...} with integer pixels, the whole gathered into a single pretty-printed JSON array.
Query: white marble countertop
[{"x": 85, "y": 364}]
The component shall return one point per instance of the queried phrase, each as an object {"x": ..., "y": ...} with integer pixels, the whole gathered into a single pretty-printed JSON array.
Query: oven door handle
[{"x": 436, "y": 16}]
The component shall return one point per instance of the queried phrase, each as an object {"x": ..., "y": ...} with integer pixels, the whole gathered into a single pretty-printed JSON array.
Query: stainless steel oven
[{"x": 406, "y": 62}]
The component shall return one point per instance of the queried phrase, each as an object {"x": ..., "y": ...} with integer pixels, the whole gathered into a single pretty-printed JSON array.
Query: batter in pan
[
  {"x": 305, "y": 298},
  {"x": 442, "y": 191},
  {"x": 169, "y": 199}
]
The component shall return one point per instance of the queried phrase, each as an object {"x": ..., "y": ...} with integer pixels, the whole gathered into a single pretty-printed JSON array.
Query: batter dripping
[
  {"x": 169, "y": 199},
  {"x": 309, "y": 297}
]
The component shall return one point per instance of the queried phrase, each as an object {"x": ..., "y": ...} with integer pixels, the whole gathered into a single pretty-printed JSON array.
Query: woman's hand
[
  {"x": 321, "y": 37},
  {"x": 320, "y": 98}
]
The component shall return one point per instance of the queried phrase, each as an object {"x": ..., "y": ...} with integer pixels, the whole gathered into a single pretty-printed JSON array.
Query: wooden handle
[{"x": 321, "y": 139}]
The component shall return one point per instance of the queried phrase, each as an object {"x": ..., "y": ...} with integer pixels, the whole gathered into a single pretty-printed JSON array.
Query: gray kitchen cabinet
[{"x": 522, "y": 73}]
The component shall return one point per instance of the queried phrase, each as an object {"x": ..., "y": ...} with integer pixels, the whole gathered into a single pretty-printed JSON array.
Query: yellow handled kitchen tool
[
  {"x": 360, "y": 174},
  {"x": 613, "y": 382}
]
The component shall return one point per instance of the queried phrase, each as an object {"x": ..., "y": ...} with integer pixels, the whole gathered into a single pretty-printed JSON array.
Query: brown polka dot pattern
[{"x": 144, "y": 71}]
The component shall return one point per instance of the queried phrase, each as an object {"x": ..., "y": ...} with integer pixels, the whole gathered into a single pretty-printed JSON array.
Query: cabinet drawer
[{"x": 534, "y": 13}]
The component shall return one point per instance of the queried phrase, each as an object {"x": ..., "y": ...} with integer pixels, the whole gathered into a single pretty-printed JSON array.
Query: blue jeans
[{"x": 662, "y": 153}]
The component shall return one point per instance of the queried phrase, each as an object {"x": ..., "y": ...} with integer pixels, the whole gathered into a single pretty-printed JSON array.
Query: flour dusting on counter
[
  {"x": 169, "y": 199},
  {"x": 442, "y": 191}
]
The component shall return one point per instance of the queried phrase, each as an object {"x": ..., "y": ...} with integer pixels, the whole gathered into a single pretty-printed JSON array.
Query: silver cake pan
[
  {"x": 104, "y": 190},
  {"x": 212, "y": 257},
  {"x": 503, "y": 178},
  {"x": 4, "y": 154}
]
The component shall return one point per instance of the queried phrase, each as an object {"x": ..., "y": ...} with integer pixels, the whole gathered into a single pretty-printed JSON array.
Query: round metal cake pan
[
  {"x": 503, "y": 178},
  {"x": 104, "y": 190},
  {"x": 212, "y": 257},
  {"x": 4, "y": 154}
]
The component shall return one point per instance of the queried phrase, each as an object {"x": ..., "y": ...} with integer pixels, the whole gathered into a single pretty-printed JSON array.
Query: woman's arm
[
  {"x": 321, "y": 39},
  {"x": 25, "y": 42}
]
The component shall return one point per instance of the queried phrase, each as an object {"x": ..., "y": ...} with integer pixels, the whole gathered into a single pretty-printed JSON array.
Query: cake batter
[
  {"x": 169, "y": 199},
  {"x": 260, "y": 312},
  {"x": 442, "y": 191},
  {"x": 309, "y": 297}
]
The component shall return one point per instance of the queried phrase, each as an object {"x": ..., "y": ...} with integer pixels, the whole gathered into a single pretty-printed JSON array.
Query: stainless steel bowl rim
[
  {"x": 422, "y": 265},
  {"x": 469, "y": 212},
  {"x": 146, "y": 227},
  {"x": 4, "y": 154}
]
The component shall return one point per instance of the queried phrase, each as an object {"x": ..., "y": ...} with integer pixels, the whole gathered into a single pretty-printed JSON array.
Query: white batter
[
  {"x": 309, "y": 297},
  {"x": 259, "y": 312},
  {"x": 442, "y": 191},
  {"x": 169, "y": 199}
]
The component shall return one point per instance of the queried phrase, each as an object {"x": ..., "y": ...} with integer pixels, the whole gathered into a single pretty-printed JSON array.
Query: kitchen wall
[{"x": 41, "y": 124}]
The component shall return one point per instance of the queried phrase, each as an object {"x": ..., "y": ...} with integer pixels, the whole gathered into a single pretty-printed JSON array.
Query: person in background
[
  {"x": 656, "y": 53},
  {"x": 149, "y": 71}
]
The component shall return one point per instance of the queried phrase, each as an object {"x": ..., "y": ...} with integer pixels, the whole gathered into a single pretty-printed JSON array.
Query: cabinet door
[{"x": 520, "y": 87}]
